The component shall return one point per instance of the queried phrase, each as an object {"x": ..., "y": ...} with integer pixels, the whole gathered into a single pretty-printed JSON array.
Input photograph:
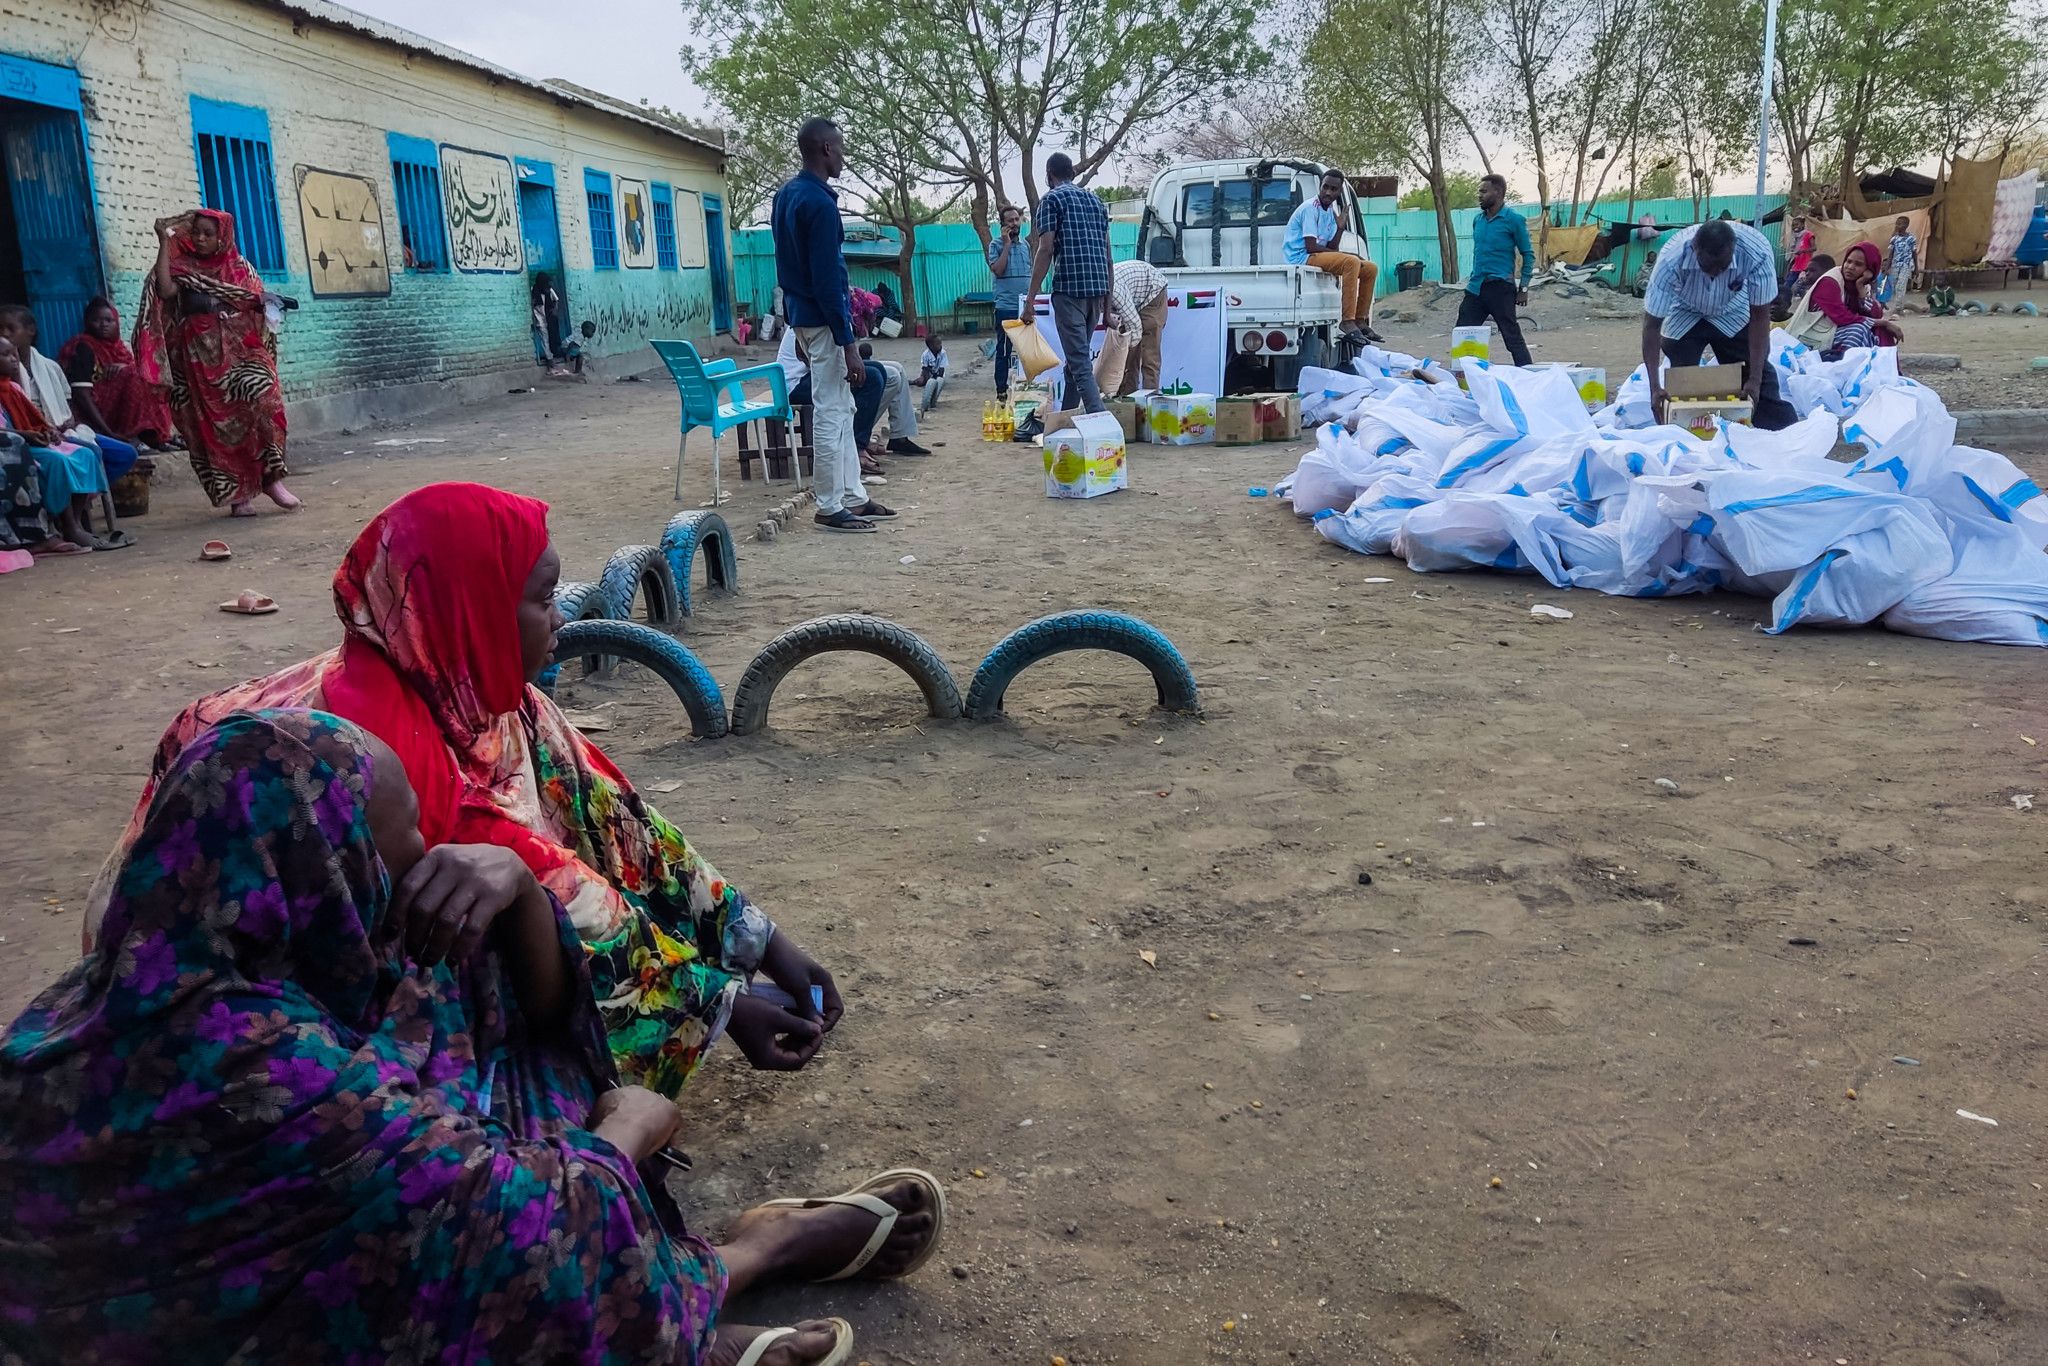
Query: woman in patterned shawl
[
  {"x": 292, "y": 1109},
  {"x": 447, "y": 608},
  {"x": 202, "y": 335}
]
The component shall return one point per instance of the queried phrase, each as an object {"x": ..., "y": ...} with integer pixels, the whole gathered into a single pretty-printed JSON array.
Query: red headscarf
[
  {"x": 430, "y": 660},
  {"x": 1852, "y": 293},
  {"x": 226, "y": 276}
]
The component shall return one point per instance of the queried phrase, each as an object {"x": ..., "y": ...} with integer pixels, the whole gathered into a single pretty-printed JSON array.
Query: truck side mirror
[{"x": 1160, "y": 250}]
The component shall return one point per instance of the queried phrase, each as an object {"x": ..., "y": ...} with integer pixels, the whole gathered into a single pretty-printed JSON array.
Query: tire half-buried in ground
[
  {"x": 640, "y": 571},
  {"x": 1088, "y": 630},
  {"x": 871, "y": 635},
  {"x": 664, "y": 655},
  {"x": 685, "y": 535}
]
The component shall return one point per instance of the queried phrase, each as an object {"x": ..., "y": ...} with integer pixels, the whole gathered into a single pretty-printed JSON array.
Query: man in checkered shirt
[
  {"x": 1072, "y": 225},
  {"x": 1713, "y": 287}
]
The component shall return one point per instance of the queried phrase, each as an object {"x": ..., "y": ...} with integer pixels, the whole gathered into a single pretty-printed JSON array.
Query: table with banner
[{"x": 1191, "y": 349}]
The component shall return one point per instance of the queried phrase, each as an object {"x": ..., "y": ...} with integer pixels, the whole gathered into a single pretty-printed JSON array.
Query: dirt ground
[
  {"x": 1466, "y": 1041},
  {"x": 1599, "y": 327}
]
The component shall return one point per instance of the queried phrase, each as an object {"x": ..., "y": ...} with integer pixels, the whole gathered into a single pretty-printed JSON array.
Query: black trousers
[
  {"x": 1495, "y": 303},
  {"x": 1773, "y": 413}
]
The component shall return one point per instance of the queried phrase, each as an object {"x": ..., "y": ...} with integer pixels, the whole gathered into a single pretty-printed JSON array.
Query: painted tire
[
  {"x": 639, "y": 571},
  {"x": 666, "y": 656},
  {"x": 871, "y": 635},
  {"x": 579, "y": 601},
  {"x": 686, "y": 534},
  {"x": 1090, "y": 630}
]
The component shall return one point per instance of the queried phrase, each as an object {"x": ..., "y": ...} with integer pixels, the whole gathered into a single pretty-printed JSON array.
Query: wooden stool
[{"x": 776, "y": 449}]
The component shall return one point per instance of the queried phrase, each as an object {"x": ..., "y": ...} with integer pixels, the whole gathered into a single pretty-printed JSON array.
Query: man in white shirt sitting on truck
[{"x": 1312, "y": 235}]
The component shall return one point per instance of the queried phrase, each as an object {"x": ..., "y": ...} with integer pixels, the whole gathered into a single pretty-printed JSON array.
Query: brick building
[{"x": 403, "y": 192}]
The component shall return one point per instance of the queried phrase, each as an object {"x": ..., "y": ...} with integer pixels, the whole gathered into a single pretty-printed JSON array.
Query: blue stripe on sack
[
  {"x": 1853, "y": 432},
  {"x": 1389, "y": 447},
  {"x": 1511, "y": 558},
  {"x": 2020, "y": 493},
  {"x": 1475, "y": 460},
  {"x": 1796, "y": 604},
  {"x": 2041, "y": 626},
  {"x": 1322, "y": 513},
  {"x": 1582, "y": 480},
  {"x": 1582, "y": 515},
  {"x": 1635, "y": 462},
  {"x": 1507, "y": 401},
  {"x": 1403, "y": 503},
  {"x": 1519, "y": 492},
  {"x": 1702, "y": 525},
  {"x": 1813, "y": 493},
  {"x": 1996, "y": 507}
]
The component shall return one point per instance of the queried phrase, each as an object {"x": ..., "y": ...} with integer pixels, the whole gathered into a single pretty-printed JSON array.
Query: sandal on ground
[
  {"x": 841, "y": 1353},
  {"x": 250, "y": 603},
  {"x": 216, "y": 550},
  {"x": 886, "y": 1215},
  {"x": 841, "y": 520},
  {"x": 116, "y": 540},
  {"x": 874, "y": 511}
]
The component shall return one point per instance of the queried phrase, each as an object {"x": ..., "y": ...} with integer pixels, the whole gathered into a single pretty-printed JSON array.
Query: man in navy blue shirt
[
  {"x": 810, "y": 265},
  {"x": 1492, "y": 289},
  {"x": 1072, "y": 225}
]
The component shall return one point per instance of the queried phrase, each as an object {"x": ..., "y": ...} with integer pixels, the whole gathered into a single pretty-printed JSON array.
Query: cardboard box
[
  {"x": 1591, "y": 382},
  {"x": 1239, "y": 421},
  {"x": 1699, "y": 394},
  {"x": 1085, "y": 459},
  {"x": 1133, "y": 414},
  {"x": 1470, "y": 343},
  {"x": 1028, "y": 398},
  {"x": 1183, "y": 419},
  {"x": 1280, "y": 416}
]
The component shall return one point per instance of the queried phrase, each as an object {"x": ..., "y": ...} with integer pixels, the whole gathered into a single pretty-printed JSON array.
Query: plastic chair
[{"x": 714, "y": 395}]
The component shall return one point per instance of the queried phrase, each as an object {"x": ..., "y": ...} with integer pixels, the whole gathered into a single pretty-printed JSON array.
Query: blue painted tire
[
  {"x": 871, "y": 635},
  {"x": 579, "y": 601},
  {"x": 688, "y": 533},
  {"x": 654, "y": 650},
  {"x": 1087, "y": 630},
  {"x": 639, "y": 571}
]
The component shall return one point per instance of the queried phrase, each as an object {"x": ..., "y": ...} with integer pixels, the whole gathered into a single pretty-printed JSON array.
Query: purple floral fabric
[{"x": 247, "y": 1127}]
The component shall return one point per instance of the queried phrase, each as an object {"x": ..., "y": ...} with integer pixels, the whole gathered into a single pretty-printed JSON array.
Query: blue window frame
[
  {"x": 232, "y": 145},
  {"x": 604, "y": 230},
  {"x": 422, "y": 226},
  {"x": 664, "y": 225}
]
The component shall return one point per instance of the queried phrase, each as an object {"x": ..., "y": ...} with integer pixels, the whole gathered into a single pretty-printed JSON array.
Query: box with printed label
[
  {"x": 1085, "y": 459},
  {"x": 1238, "y": 422},
  {"x": 1183, "y": 419},
  {"x": 1280, "y": 416}
]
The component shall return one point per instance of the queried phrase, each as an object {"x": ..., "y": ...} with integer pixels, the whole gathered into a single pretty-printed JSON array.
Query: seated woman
[
  {"x": 49, "y": 389},
  {"x": 24, "y": 523},
  {"x": 1839, "y": 312},
  {"x": 70, "y": 474},
  {"x": 447, "y": 610},
  {"x": 293, "y": 1108},
  {"x": 107, "y": 390}
]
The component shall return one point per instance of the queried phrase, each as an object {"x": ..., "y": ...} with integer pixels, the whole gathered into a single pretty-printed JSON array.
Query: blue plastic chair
[{"x": 714, "y": 395}]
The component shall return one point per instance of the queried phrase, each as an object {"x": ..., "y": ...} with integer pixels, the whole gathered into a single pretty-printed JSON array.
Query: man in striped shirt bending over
[{"x": 1713, "y": 287}]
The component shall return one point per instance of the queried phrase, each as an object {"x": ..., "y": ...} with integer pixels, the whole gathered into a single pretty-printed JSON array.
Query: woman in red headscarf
[
  {"x": 107, "y": 387},
  {"x": 447, "y": 609},
  {"x": 202, "y": 336},
  {"x": 1841, "y": 311}
]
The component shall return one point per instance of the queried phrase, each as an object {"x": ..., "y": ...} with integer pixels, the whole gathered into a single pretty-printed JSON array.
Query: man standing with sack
[
  {"x": 1073, "y": 226},
  {"x": 810, "y": 266}
]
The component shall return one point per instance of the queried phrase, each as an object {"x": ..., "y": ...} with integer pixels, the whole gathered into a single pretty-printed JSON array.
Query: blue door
[
  {"x": 721, "y": 277},
  {"x": 543, "y": 238},
  {"x": 51, "y": 197}
]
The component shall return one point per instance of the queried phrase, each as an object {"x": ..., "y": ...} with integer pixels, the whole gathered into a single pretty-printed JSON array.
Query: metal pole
[{"x": 1763, "y": 117}]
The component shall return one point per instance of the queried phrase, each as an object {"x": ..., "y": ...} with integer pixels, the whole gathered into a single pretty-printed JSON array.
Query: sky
[{"x": 632, "y": 54}]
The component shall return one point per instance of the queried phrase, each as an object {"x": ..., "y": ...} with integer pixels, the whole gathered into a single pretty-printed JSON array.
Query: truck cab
[{"x": 1223, "y": 225}]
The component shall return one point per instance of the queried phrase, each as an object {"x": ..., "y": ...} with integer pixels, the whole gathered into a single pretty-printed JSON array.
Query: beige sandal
[
  {"x": 216, "y": 550},
  {"x": 250, "y": 603},
  {"x": 885, "y": 1214},
  {"x": 841, "y": 1353}
]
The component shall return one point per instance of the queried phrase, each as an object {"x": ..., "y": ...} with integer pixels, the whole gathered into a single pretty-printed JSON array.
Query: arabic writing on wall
[{"x": 482, "y": 199}]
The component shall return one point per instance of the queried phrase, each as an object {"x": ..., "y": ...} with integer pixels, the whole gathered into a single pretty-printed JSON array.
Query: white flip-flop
[
  {"x": 885, "y": 1214},
  {"x": 841, "y": 1353}
]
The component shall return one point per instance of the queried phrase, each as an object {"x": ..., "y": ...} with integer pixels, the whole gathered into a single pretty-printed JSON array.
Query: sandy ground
[
  {"x": 1600, "y": 327},
  {"x": 1642, "y": 1013}
]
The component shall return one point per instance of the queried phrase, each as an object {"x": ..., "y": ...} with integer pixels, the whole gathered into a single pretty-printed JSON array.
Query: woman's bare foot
[
  {"x": 281, "y": 495},
  {"x": 241, "y": 509},
  {"x": 57, "y": 545},
  {"x": 813, "y": 1340},
  {"x": 777, "y": 1241}
]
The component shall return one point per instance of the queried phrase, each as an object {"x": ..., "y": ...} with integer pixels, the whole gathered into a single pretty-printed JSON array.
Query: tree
[
  {"x": 1461, "y": 188},
  {"x": 1391, "y": 77}
]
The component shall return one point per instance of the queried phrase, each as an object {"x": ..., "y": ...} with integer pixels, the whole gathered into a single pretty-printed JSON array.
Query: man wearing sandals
[{"x": 810, "y": 266}]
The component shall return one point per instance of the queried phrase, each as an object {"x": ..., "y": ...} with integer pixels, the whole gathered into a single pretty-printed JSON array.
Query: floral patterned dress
[{"x": 246, "y": 1127}]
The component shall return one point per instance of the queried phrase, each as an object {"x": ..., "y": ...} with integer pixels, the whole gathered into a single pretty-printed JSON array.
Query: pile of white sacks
[{"x": 1926, "y": 536}]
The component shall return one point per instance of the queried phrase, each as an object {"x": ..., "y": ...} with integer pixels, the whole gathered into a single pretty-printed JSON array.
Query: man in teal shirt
[{"x": 1492, "y": 289}]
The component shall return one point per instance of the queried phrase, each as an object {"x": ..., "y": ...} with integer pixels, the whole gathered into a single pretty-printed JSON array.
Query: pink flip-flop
[
  {"x": 216, "y": 550},
  {"x": 250, "y": 603}
]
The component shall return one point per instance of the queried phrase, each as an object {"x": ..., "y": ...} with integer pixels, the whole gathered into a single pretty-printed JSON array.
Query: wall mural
[
  {"x": 482, "y": 199},
  {"x": 689, "y": 230},
  {"x": 343, "y": 226},
  {"x": 636, "y": 224}
]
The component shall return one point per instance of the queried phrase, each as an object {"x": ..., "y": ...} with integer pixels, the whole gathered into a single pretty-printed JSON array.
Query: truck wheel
[
  {"x": 901, "y": 647},
  {"x": 639, "y": 571},
  {"x": 1088, "y": 630},
  {"x": 685, "y": 535},
  {"x": 1312, "y": 350},
  {"x": 666, "y": 656}
]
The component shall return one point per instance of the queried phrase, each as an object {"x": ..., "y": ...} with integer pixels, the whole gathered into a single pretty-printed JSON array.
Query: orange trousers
[{"x": 1358, "y": 277}]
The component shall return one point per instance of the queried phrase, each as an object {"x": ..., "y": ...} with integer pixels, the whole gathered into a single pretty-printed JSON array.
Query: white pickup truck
[{"x": 1223, "y": 225}]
